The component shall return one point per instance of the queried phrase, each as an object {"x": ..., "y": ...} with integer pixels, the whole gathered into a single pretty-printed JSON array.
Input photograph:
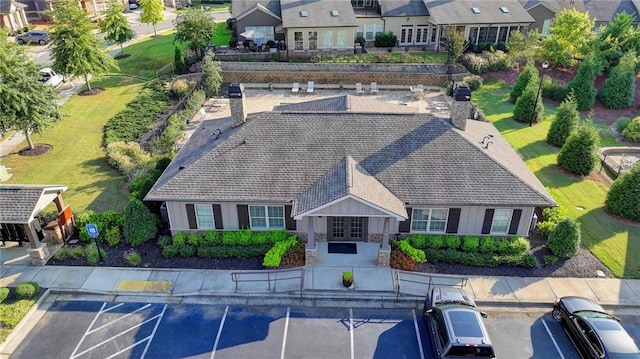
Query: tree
[
  {"x": 528, "y": 73},
  {"x": 619, "y": 87},
  {"x": 583, "y": 86},
  {"x": 624, "y": 196},
  {"x": 212, "y": 74},
  {"x": 178, "y": 59},
  {"x": 151, "y": 13},
  {"x": 564, "y": 239},
  {"x": 529, "y": 106},
  {"x": 27, "y": 104},
  {"x": 194, "y": 28},
  {"x": 569, "y": 37},
  {"x": 564, "y": 122},
  {"x": 524, "y": 47},
  {"x": 578, "y": 154},
  {"x": 617, "y": 38},
  {"x": 140, "y": 225},
  {"x": 115, "y": 26},
  {"x": 455, "y": 44},
  {"x": 75, "y": 49}
]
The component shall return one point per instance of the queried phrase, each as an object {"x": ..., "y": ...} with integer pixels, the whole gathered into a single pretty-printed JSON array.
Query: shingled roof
[
  {"x": 459, "y": 12},
  {"x": 317, "y": 13},
  {"x": 18, "y": 203},
  {"x": 403, "y": 8},
  {"x": 277, "y": 156}
]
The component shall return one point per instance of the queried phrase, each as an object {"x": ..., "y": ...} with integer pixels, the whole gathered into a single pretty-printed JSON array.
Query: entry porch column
[
  {"x": 311, "y": 250},
  {"x": 384, "y": 253}
]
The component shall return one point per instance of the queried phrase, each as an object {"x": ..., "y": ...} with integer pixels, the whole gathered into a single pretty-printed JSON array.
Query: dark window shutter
[
  {"x": 515, "y": 221},
  {"x": 217, "y": 216},
  {"x": 453, "y": 220},
  {"x": 191, "y": 216},
  {"x": 488, "y": 219},
  {"x": 289, "y": 222},
  {"x": 243, "y": 216},
  {"x": 405, "y": 226}
]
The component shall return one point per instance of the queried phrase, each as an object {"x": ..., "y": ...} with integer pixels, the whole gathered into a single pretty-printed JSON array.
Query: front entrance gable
[{"x": 349, "y": 206}]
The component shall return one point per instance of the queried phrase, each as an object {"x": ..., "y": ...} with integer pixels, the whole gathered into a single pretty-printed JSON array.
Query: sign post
[{"x": 93, "y": 233}]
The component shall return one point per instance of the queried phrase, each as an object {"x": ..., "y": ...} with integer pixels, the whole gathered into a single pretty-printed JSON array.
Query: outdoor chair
[
  {"x": 374, "y": 88},
  {"x": 295, "y": 88},
  {"x": 310, "y": 87},
  {"x": 359, "y": 89}
]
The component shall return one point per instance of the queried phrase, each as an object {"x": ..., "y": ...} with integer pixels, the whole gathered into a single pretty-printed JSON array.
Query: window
[
  {"x": 429, "y": 220},
  {"x": 475, "y": 10},
  {"x": 313, "y": 40},
  {"x": 327, "y": 39},
  {"x": 266, "y": 217},
  {"x": 298, "y": 41},
  {"x": 359, "y": 31},
  {"x": 204, "y": 216},
  {"x": 503, "y": 34},
  {"x": 341, "y": 40},
  {"x": 501, "y": 221},
  {"x": 545, "y": 27}
]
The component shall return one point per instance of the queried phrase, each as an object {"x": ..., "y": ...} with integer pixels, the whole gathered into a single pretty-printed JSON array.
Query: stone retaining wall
[{"x": 326, "y": 73}]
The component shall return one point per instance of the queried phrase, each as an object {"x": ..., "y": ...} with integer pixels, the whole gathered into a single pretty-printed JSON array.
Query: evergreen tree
[
  {"x": 115, "y": 26},
  {"x": 583, "y": 84},
  {"x": 525, "y": 110},
  {"x": 619, "y": 87},
  {"x": 564, "y": 122},
  {"x": 624, "y": 196},
  {"x": 617, "y": 38},
  {"x": 178, "y": 59},
  {"x": 578, "y": 154},
  {"x": 528, "y": 74},
  {"x": 212, "y": 74},
  {"x": 151, "y": 13}
]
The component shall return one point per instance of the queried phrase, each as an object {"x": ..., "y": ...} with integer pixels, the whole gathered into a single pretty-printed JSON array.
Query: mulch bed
[
  {"x": 93, "y": 91},
  {"x": 37, "y": 150}
]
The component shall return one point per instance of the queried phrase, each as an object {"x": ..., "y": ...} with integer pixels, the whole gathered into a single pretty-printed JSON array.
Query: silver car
[{"x": 37, "y": 36}]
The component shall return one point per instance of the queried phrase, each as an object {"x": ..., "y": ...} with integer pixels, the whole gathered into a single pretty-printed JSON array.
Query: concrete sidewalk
[{"x": 374, "y": 285}]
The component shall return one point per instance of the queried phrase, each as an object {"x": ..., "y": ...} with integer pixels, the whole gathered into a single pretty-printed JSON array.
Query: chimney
[
  {"x": 236, "y": 102},
  {"x": 461, "y": 107}
]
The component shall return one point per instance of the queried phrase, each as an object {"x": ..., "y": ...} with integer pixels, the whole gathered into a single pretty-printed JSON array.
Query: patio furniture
[
  {"x": 374, "y": 88},
  {"x": 416, "y": 92},
  {"x": 295, "y": 88},
  {"x": 310, "y": 85},
  {"x": 359, "y": 89}
]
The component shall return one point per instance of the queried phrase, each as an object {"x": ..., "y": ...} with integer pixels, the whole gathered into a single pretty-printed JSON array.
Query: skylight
[
  {"x": 475, "y": 10},
  {"x": 334, "y": 13},
  {"x": 504, "y": 9},
  {"x": 303, "y": 13}
]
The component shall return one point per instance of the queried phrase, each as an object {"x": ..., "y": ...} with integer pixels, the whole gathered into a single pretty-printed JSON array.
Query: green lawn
[
  {"x": 221, "y": 35},
  {"x": 148, "y": 55},
  {"x": 617, "y": 245}
]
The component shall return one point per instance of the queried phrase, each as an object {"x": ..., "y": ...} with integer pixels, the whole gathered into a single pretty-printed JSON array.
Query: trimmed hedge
[
  {"x": 564, "y": 239},
  {"x": 486, "y": 62},
  {"x": 273, "y": 257},
  {"x": 4, "y": 293},
  {"x": 624, "y": 195},
  {"x": 140, "y": 225},
  {"x": 631, "y": 132},
  {"x": 416, "y": 254},
  {"x": 27, "y": 290}
]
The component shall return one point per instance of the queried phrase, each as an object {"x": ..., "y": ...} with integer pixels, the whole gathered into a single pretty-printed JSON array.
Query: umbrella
[{"x": 252, "y": 34}]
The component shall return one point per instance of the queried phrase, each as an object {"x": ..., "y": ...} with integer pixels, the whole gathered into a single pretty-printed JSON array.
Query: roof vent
[
  {"x": 487, "y": 137},
  {"x": 504, "y": 9},
  {"x": 475, "y": 10},
  {"x": 334, "y": 13},
  {"x": 303, "y": 13}
]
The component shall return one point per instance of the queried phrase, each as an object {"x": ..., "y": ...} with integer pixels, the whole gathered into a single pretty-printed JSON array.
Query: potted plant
[
  {"x": 347, "y": 278},
  {"x": 270, "y": 86},
  {"x": 341, "y": 87}
]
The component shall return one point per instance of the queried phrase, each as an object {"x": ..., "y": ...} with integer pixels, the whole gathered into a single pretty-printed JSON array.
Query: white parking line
[
  {"x": 215, "y": 344},
  {"x": 351, "y": 331},
  {"x": 415, "y": 325},
  {"x": 153, "y": 333},
  {"x": 73, "y": 354},
  {"x": 552, "y": 338},
  {"x": 286, "y": 329},
  {"x": 120, "y": 318}
]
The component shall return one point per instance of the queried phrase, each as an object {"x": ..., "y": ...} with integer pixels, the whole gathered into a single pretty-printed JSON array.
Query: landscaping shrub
[
  {"x": 486, "y": 62},
  {"x": 273, "y": 258},
  {"x": 583, "y": 86},
  {"x": 128, "y": 158},
  {"x": 529, "y": 73},
  {"x": 77, "y": 252},
  {"x": 180, "y": 238},
  {"x": 564, "y": 239},
  {"x": 62, "y": 254},
  {"x": 132, "y": 257},
  {"x": 386, "y": 40},
  {"x": 180, "y": 88},
  {"x": 237, "y": 251},
  {"x": 452, "y": 242},
  {"x": 142, "y": 183},
  {"x": 4, "y": 293},
  {"x": 241, "y": 237},
  {"x": 27, "y": 290},
  {"x": 554, "y": 89},
  {"x": 481, "y": 259},
  {"x": 550, "y": 217},
  {"x": 473, "y": 81},
  {"x": 487, "y": 245},
  {"x": 416, "y": 254},
  {"x": 632, "y": 131},
  {"x": 194, "y": 102},
  {"x": 470, "y": 243},
  {"x": 140, "y": 225},
  {"x": 622, "y": 123},
  {"x": 550, "y": 259},
  {"x": 578, "y": 154},
  {"x": 360, "y": 40},
  {"x": 517, "y": 245},
  {"x": 418, "y": 241},
  {"x": 564, "y": 122},
  {"x": 186, "y": 250},
  {"x": 194, "y": 239},
  {"x": 212, "y": 238},
  {"x": 112, "y": 236},
  {"x": 295, "y": 256},
  {"x": 400, "y": 260},
  {"x": 104, "y": 222},
  {"x": 436, "y": 242},
  {"x": 170, "y": 250},
  {"x": 91, "y": 251},
  {"x": 164, "y": 241},
  {"x": 524, "y": 110},
  {"x": 619, "y": 87},
  {"x": 502, "y": 46},
  {"x": 624, "y": 195},
  {"x": 178, "y": 60}
]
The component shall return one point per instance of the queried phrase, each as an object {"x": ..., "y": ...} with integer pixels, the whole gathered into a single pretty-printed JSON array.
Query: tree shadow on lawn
[{"x": 109, "y": 185}]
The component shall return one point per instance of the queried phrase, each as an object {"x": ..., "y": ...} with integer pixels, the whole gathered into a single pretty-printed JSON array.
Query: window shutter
[
  {"x": 405, "y": 226},
  {"x": 191, "y": 216},
  {"x": 243, "y": 216},
  {"x": 289, "y": 222},
  {"x": 217, "y": 216},
  {"x": 488, "y": 219},
  {"x": 515, "y": 221},
  {"x": 453, "y": 220}
]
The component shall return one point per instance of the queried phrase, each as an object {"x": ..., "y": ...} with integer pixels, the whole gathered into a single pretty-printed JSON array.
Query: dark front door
[{"x": 347, "y": 228}]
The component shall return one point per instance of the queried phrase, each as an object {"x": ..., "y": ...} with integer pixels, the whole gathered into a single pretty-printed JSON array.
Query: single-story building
[{"x": 12, "y": 16}]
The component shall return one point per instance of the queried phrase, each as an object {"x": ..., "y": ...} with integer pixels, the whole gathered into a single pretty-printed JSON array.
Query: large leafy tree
[
  {"x": 75, "y": 49},
  {"x": 578, "y": 154},
  {"x": 523, "y": 47},
  {"x": 569, "y": 37},
  {"x": 564, "y": 122},
  {"x": 27, "y": 104},
  {"x": 618, "y": 90},
  {"x": 624, "y": 196},
  {"x": 455, "y": 44},
  {"x": 212, "y": 74},
  {"x": 151, "y": 13},
  {"x": 617, "y": 38},
  {"x": 194, "y": 28},
  {"x": 115, "y": 26}
]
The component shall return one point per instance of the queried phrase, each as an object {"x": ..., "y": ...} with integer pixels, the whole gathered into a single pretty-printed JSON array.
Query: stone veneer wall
[{"x": 334, "y": 74}]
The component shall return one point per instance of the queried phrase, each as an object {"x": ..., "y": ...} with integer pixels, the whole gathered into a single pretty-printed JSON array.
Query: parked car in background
[
  {"x": 455, "y": 324},
  {"x": 51, "y": 78},
  {"x": 593, "y": 332},
  {"x": 133, "y": 4},
  {"x": 36, "y": 36}
]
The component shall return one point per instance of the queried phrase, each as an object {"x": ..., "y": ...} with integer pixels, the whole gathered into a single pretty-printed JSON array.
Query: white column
[
  {"x": 311, "y": 243},
  {"x": 385, "y": 234}
]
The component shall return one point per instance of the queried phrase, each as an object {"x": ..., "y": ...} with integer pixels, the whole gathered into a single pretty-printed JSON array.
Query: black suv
[{"x": 455, "y": 325}]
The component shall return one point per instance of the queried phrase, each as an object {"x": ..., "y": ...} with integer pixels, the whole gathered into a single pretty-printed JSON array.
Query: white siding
[
  {"x": 177, "y": 212},
  {"x": 349, "y": 208},
  {"x": 229, "y": 216}
]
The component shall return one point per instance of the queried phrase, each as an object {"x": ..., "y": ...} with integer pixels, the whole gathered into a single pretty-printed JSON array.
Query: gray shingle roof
[
  {"x": 318, "y": 13},
  {"x": 605, "y": 11},
  {"x": 403, "y": 8},
  {"x": 274, "y": 157},
  {"x": 345, "y": 103},
  {"x": 444, "y": 12},
  {"x": 348, "y": 178},
  {"x": 556, "y": 5},
  {"x": 18, "y": 202},
  {"x": 238, "y": 7}
]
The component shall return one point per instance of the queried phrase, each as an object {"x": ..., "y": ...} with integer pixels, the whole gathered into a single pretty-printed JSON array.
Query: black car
[
  {"x": 455, "y": 325},
  {"x": 37, "y": 36},
  {"x": 594, "y": 333}
]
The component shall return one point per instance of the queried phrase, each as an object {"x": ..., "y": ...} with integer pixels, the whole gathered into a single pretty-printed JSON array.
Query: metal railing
[
  {"x": 426, "y": 279},
  {"x": 270, "y": 276}
]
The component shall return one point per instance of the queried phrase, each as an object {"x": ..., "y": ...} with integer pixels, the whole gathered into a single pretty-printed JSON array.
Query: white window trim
[
  {"x": 210, "y": 209},
  {"x": 446, "y": 221},
  {"x": 266, "y": 214},
  {"x": 508, "y": 221}
]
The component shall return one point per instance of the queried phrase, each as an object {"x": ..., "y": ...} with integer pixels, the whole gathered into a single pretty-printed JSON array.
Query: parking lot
[{"x": 83, "y": 329}]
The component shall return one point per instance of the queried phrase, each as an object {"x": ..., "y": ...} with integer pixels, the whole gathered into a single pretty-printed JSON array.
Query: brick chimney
[{"x": 236, "y": 103}]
